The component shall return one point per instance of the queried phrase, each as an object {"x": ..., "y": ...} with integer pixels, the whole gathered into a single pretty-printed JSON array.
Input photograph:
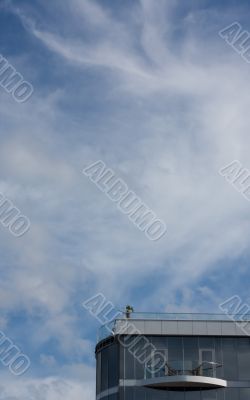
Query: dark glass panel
[
  {"x": 113, "y": 366},
  {"x": 176, "y": 395},
  {"x": 244, "y": 358},
  {"x": 191, "y": 348},
  {"x": 98, "y": 373},
  {"x": 220, "y": 394},
  {"x": 190, "y": 342},
  {"x": 158, "y": 395},
  {"x": 230, "y": 361},
  {"x": 139, "y": 394},
  {"x": 193, "y": 395},
  {"x": 175, "y": 349},
  {"x": 121, "y": 361},
  {"x": 113, "y": 396},
  {"x": 128, "y": 393},
  {"x": 218, "y": 357},
  {"x": 139, "y": 369},
  {"x": 104, "y": 370},
  {"x": 175, "y": 343},
  {"x": 152, "y": 394},
  {"x": 160, "y": 342},
  {"x": 209, "y": 394},
  {"x": 206, "y": 342},
  {"x": 191, "y": 353},
  {"x": 232, "y": 394},
  {"x": 244, "y": 394},
  {"x": 129, "y": 365}
]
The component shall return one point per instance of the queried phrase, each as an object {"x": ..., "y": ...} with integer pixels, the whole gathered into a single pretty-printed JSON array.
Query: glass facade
[
  {"x": 151, "y": 394},
  {"x": 126, "y": 361},
  {"x": 107, "y": 375}
]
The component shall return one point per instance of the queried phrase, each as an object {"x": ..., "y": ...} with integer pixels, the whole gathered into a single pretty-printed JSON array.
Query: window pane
[
  {"x": 113, "y": 397},
  {"x": 98, "y": 373},
  {"x": 206, "y": 342},
  {"x": 135, "y": 393},
  {"x": 175, "y": 349},
  {"x": 104, "y": 369},
  {"x": 176, "y": 395},
  {"x": 160, "y": 342},
  {"x": 244, "y": 358},
  {"x": 218, "y": 357},
  {"x": 129, "y": 365},
  {"x": 244, "y": 394},
  {"x": 139, "y": 370},
  {"x": 192, "y": 395},
  {"x": 113, "y": 365},
  {"x": 191, "y": 349},
  {"x": 191, "y": 353},
  {"x": 122, "y": 362},
  {"x": 129, "y": 393},
  {"x": 209, "y": 394},
  {"x": 230, "y": 362},
  {"x": 232, "y": 394}
]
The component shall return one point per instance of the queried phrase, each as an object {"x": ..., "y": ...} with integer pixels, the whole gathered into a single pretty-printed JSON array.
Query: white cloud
[
  {"x": 53, "y": 388},
  {"x": 173, "y": 112},
  {"x": 178, "y": 156}
]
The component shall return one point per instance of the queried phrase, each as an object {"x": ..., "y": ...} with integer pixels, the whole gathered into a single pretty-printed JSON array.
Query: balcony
[{"x": 190, "y": 375}]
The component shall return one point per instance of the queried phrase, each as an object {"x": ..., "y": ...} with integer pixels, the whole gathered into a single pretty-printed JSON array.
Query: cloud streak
[{"x": 157, "y": 96}]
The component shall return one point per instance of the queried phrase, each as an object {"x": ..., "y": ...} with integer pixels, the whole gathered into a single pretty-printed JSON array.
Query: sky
[{"x": 151, "y": 89}]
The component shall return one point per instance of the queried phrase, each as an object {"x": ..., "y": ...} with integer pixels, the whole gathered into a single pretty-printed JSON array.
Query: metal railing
[
  {"x": 188, "y": 316},
  {"x": 180, "y": 367}
]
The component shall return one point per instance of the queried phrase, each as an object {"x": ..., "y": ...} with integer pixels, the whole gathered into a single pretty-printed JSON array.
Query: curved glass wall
[
  {"x": 107, "y": 375},
  {"x": 215, "y": 394},
  {"x": 225, "y": 358}
]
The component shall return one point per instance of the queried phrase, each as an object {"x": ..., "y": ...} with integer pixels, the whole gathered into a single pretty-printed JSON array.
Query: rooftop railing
[{"x": 188, "y": 316}]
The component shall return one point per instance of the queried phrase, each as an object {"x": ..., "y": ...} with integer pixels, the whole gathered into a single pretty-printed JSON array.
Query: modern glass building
[{"x": 174, "y": 357}]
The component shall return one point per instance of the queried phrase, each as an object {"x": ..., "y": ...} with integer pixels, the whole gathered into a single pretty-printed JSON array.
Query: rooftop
[{"x": 110, "y": 328}]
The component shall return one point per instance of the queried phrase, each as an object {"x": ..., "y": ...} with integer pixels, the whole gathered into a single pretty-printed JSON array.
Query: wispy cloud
[{"x": 152, "y": 91}]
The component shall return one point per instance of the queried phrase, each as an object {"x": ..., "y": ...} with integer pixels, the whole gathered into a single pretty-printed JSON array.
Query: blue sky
[{"x": 150, "y": 88}]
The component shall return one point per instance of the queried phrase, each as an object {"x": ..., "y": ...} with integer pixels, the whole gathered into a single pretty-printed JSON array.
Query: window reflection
[
  {"x": 230, "y": 362},
  {"x": 244, "y": 394},
  {"x": 117, "y": 362},
  {"x": 244, "y": 358}
]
